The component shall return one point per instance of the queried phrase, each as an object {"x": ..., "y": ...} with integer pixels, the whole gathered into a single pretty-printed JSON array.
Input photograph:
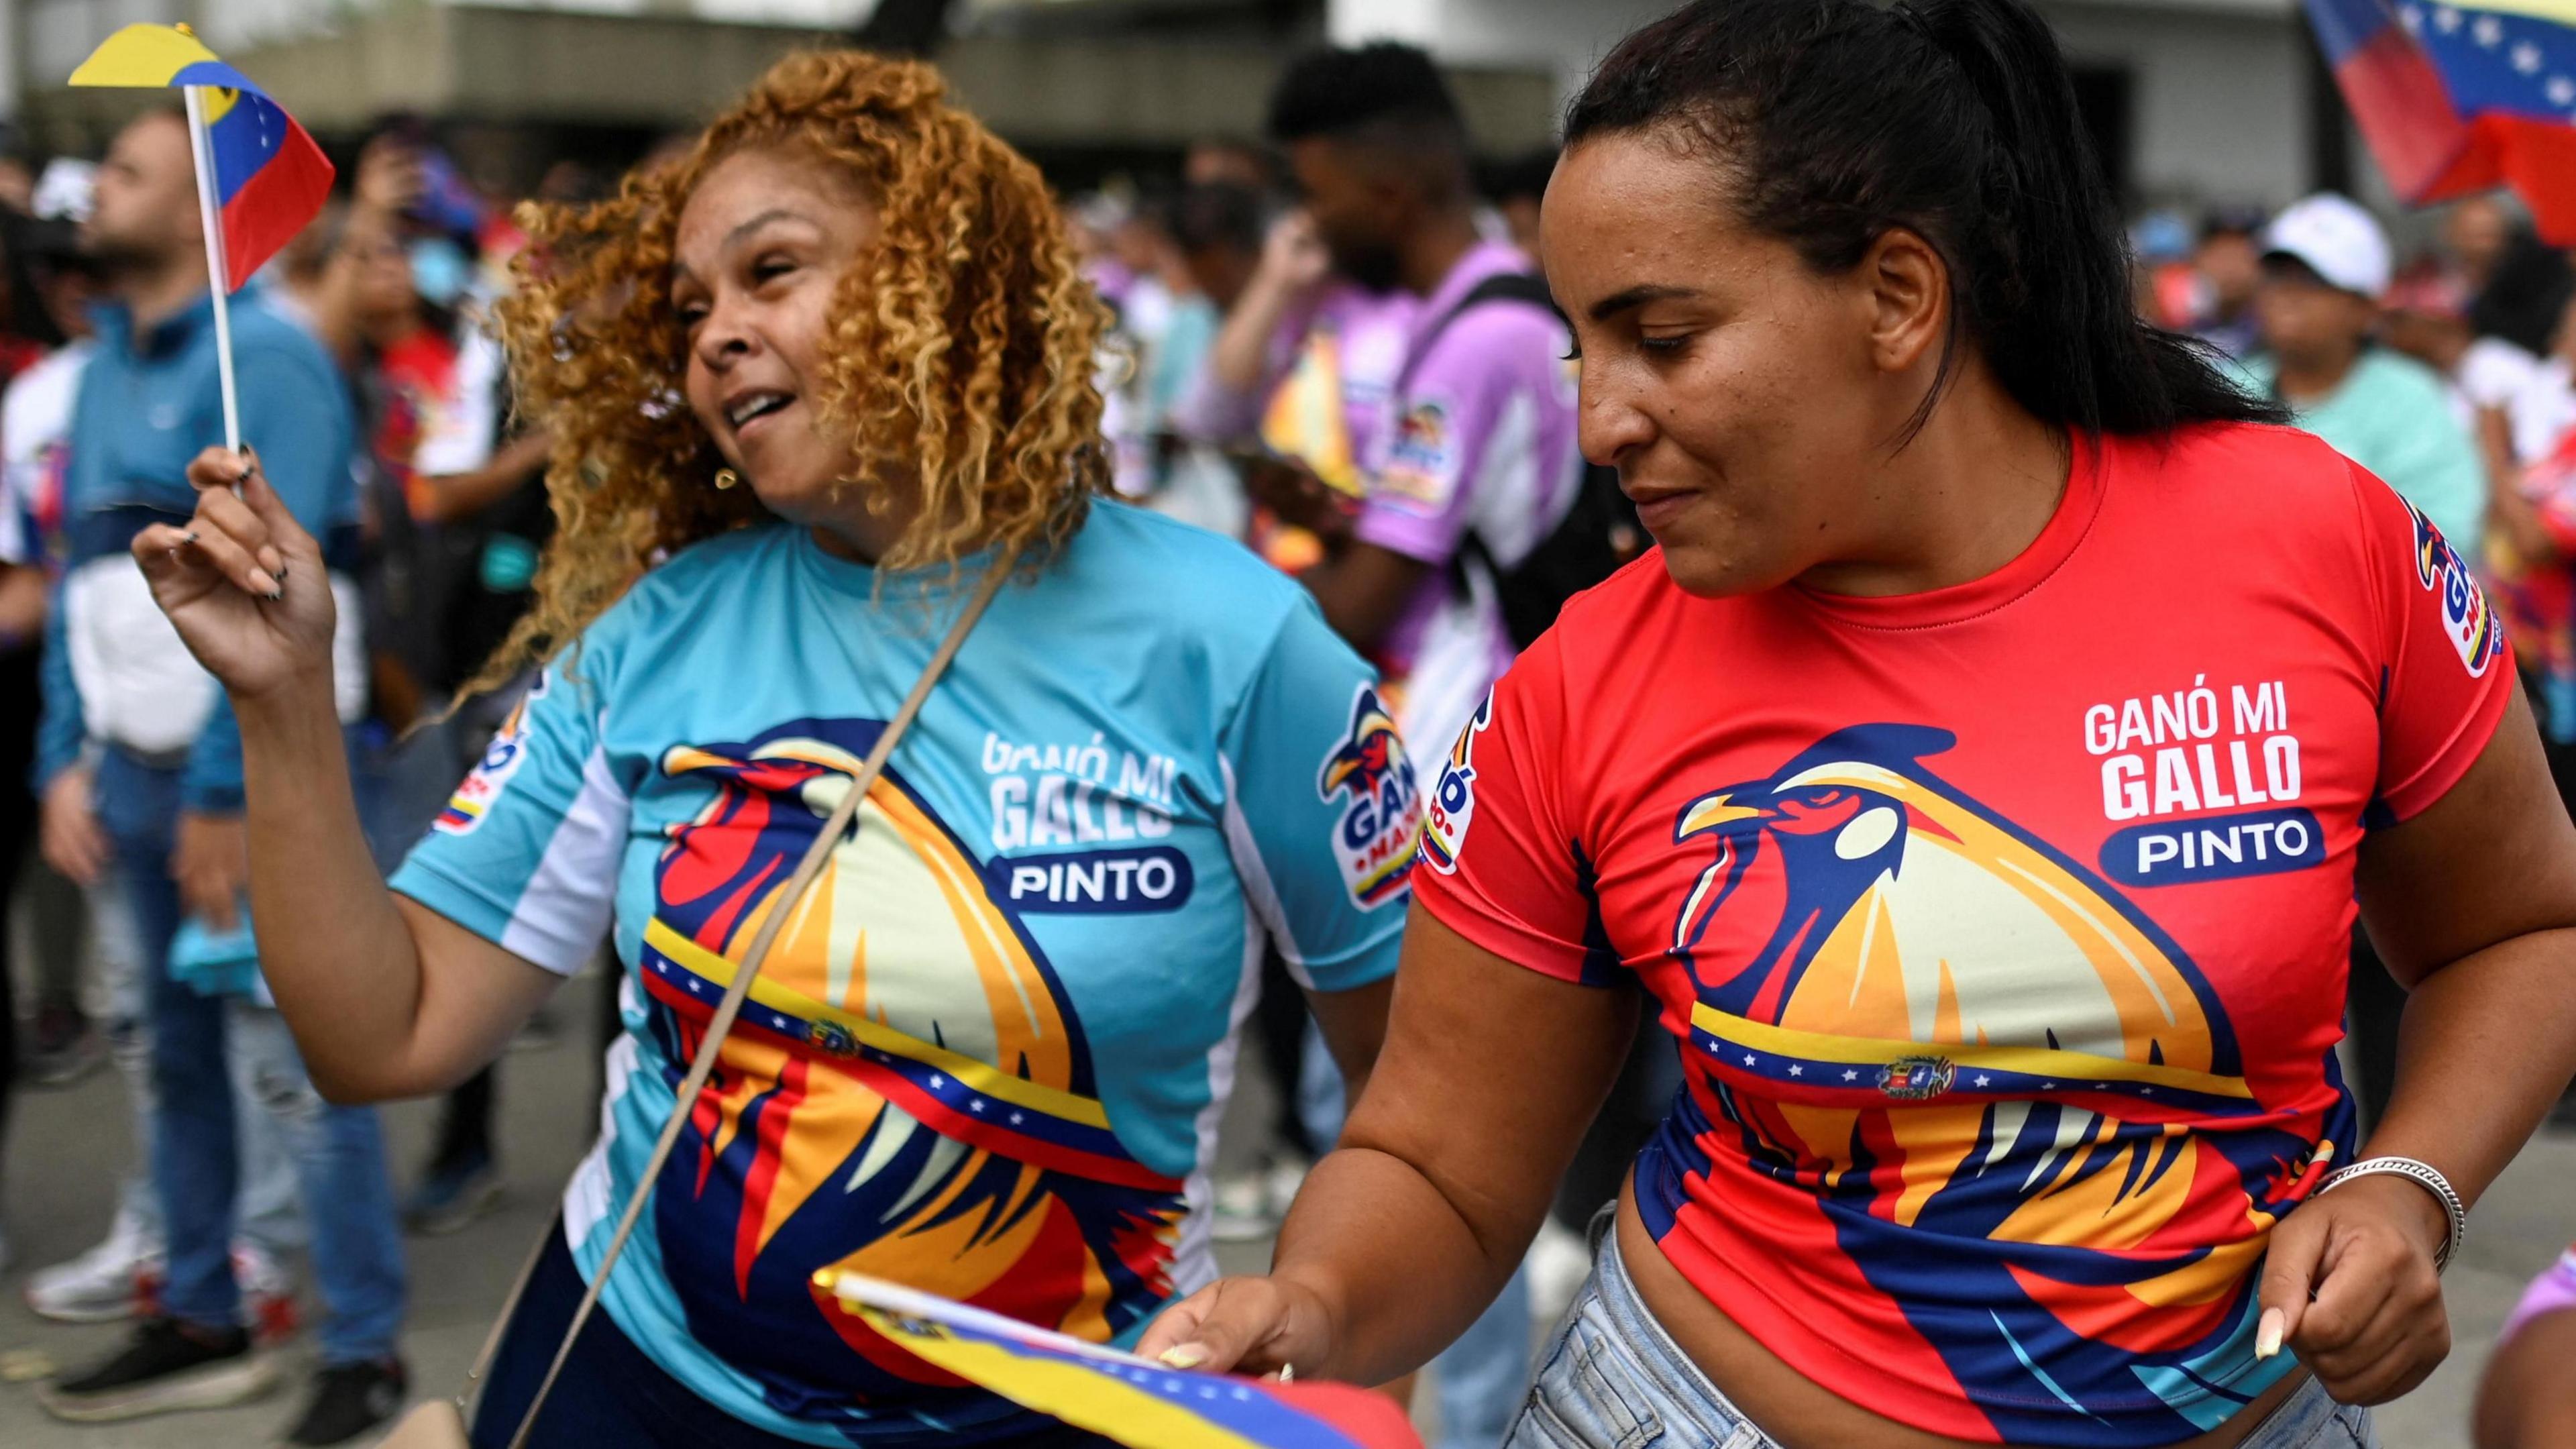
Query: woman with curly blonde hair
[{"x": 809, "y": 384}]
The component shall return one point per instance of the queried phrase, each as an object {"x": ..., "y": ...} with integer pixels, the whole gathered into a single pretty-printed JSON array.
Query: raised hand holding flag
[{"x": 260, "y": 177}]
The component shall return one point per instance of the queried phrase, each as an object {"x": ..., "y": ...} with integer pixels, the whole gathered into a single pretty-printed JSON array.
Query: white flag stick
[{"x": 209, "y": 216}]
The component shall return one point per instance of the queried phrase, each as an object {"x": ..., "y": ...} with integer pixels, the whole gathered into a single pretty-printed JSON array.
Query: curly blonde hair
[{"x": 961, "y": 353}]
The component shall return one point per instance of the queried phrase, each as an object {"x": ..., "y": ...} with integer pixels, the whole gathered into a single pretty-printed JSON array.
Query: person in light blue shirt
[
  {"x": 2325, "y": 265},
  {"x": 988, "y": 1052},
  {"x": 140, "y": 767}
]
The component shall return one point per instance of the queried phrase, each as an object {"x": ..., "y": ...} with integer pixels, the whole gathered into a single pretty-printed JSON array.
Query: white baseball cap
[{"x": 2337, "y": 240}]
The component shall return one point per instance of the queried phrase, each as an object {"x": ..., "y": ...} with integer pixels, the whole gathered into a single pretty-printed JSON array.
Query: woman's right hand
[
  {"x": 1293, "y": 255},
  {"x": 67, "y": 829},
  {"x": 243, "y": 583},
  {"x": 391, "y": 177},
  {"x": 1248, "y": 1325}
]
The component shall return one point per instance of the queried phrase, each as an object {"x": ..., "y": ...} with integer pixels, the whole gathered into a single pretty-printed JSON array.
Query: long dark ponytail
[{"x": 1834, "y": 121}]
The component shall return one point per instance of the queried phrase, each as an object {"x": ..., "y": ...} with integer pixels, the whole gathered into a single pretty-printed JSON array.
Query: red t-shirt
[
  {"x": 419, "y": 381},
  {"x": 2003, "y": 927}
]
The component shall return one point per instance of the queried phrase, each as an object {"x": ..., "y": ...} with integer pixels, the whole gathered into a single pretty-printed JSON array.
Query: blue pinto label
[
  {"x": 1104, "y": 882},
  {"x": 2214, "y": 847}
]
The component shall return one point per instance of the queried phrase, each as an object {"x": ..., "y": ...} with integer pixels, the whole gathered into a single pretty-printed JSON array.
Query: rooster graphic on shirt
[
  {"x": 907, "y": 1094},
  {"x": 1936, "y": 1023}
]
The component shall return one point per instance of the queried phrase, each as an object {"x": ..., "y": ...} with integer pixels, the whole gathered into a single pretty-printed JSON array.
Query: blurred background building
[{"x": 2189, "y": 101}]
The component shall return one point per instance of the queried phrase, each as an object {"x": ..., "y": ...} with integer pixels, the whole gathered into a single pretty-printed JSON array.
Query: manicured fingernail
[
  {"x": 261, "y": 582},
  {"x": 1186, "y": 1356},
  {"x": 188, "y": 537},
  {"x": 2267, "y": 1334},
  {"x": 281, "y": 573}
]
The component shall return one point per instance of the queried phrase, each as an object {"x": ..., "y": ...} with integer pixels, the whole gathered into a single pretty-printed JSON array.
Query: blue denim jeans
[
  {"x": 1611, "y": 1378},
  {"x": 269, "y": 1213},
  {"x": 339, "y": 1152},
  {"x": 1479, "y": 1377}
]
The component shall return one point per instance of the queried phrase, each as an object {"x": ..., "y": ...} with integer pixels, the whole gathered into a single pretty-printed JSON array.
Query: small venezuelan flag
[
  {"x": 2458, "y": 96},
  {"x": 269, "y": 177},
  {"x": 1139, "y": 1404}
]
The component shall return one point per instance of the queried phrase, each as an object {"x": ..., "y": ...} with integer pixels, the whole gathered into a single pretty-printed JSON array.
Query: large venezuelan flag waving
[
  {"x": 1139, "y": 1404},
  {"x": 2458, "y": 98},
  {"x": 270, "y": 178}
]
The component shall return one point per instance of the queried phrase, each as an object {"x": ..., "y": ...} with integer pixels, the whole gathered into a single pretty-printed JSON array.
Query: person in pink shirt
[
  {"x": 2528, "y": 1401},
  {"x": 1477, "y": 461},
  {"x": 1301, "y": 372}
]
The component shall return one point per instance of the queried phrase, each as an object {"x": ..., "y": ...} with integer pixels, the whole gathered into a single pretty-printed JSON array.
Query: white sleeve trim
[
  {"x": 1194, "y": 1264},
  {"x": 1258, "y": 892},
  {"x": 566, "y": 907}
]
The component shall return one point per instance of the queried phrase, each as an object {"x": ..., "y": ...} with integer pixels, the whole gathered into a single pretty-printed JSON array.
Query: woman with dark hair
[{"x": 1978, "y": 777}]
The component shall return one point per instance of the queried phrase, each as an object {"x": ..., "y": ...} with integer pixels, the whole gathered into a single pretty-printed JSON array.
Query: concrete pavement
[{"x": 65, "y": 1146}]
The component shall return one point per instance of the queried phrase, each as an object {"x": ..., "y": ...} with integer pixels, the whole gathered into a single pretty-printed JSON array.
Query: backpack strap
[
  {"x": 1527, "y": 289},
  {"x": 1523, "y": 289}
]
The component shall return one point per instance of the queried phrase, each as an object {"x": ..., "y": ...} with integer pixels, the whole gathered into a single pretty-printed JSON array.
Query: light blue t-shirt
[
  {"x": 2393, "y": 417},
  {"x": 987, "y": 1055}
]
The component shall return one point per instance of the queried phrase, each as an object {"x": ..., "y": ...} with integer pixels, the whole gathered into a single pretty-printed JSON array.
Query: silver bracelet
[{"x": 2455, "y": 1213}]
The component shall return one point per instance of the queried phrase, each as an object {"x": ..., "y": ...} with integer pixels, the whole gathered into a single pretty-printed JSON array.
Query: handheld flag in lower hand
[
  {"x": 1139, "y": 1404},
  {"x": 269, "y": 178},
  {"x": 2460, "y": 98}
]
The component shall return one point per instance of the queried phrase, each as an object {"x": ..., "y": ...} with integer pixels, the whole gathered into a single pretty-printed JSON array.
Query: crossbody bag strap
[
  {"x": 1525, "y": 289},
  {"x": 839, "y": 823}
]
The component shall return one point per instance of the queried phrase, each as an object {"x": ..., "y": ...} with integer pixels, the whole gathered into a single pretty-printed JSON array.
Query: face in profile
[
  {"x": 144, "y": 206},
  {"x": 384, "y": 282},
  {"x": 2230, "y": 264},
  {"x": 761, "y": 248},
  {"x": 2435, "y": 339},
  {"x": 1731, "y": 384},
  {"x": 2306, "y": 321},
  {"x": 2477, "y": 233},
  {"x": 1221, "y": 271},
  {"x": 1354, "y": 211}
]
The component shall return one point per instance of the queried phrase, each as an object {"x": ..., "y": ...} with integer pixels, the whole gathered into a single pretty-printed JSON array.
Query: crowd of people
[
  {"x": 1915, "y": 1024},
  {"x": 372, "y": 383}
]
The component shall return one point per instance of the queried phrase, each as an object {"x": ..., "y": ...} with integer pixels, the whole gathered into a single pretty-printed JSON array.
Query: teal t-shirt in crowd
[
  {"x": 987, "y": 1054},
  {"x": 2393, "y": 416}
]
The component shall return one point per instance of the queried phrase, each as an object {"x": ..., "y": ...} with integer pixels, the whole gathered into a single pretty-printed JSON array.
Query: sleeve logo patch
[
  {"x": 501, "y": 759},
  {"x": 2466, "y": 617},
  {"x": 1382, "y": 812},
  {"x": 1453, "y": 800},
  {"x": 1421, "y": 459}
]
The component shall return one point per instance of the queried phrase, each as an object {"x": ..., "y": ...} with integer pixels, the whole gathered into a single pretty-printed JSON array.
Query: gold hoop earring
[{"x": 726, "y": 478}]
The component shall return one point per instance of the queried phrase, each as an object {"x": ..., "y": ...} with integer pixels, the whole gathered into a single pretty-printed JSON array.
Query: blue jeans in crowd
[
  {"x": 339, "y": 1152},
  {"x": 270, "y": 1215},
  {"x": 1612, "y": 1378},
  {"x": 1480, "y": 1377}
]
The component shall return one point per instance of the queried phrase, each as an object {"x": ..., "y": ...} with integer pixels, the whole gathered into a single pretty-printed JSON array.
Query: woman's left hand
[{"x": 2349, "y": 1284}]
